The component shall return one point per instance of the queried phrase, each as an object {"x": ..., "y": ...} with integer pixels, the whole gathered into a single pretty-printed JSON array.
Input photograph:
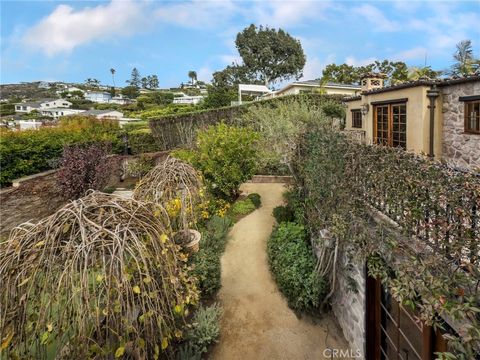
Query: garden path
[{"x": 257, "y": 322}]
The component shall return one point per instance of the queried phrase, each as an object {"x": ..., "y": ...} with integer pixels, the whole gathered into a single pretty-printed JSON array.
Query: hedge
[
  {"x": 28, "y": 152},
  {"x": 180, "y": 130}
]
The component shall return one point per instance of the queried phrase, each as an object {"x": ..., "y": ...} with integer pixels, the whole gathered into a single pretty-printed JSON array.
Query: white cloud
[
  {"x": 376, "y": 18},
  {"x": 287, "y": 13},
  {"x": 197, "y": 14},
  {"x": 65, "y": 28},
  {"x": 411, "y": 54},
  {"x": 353, "y": 61},
  {"x": 314, "y": 67}
]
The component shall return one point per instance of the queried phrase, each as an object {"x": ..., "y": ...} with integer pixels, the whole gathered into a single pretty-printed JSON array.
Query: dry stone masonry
[{"x": 459, "y": 148}]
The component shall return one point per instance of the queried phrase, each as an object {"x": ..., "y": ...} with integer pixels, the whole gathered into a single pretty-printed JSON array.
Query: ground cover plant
[
  {"x": 206, "y": 263},
  {"x": 99, "y": 278}
]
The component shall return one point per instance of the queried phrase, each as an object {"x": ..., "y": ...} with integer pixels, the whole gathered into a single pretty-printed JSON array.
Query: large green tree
[
  {"x": 395, "y": 72},
  {"x": 465, "y": 62},
  {"x": 224, "y": 85},
  {"x": 135, "y": 78},
  {"x": 269, "y": 54}
]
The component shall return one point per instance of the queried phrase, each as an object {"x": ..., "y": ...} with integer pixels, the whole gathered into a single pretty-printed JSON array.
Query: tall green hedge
[{"x": 24, "y": 153}]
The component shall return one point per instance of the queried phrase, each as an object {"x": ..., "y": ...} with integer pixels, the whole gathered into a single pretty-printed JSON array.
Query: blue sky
[{"x": 75, "y": 40}]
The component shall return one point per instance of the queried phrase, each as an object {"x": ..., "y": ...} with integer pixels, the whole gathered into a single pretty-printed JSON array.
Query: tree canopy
[
  {"x": 395, "y": 72},
  {"x": 465, "y": 62},
  {"x": 269, "y": 54},
  {"x": 135, "y": 78}
]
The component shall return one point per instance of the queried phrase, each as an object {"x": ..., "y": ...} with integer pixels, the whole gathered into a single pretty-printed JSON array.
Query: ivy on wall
[{"x": 427, "y": 251}]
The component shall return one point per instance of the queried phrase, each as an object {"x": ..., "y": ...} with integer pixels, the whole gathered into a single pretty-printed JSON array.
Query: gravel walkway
[{"x": 256, "y": 322}]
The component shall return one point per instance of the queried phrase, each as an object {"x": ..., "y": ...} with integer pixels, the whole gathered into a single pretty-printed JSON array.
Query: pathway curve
[{"x": 256, "y": 321}]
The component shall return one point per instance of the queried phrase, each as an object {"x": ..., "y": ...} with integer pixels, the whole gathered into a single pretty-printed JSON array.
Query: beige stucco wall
[
  {"x": 297, "y": 89},
  {"x": 418, "y": 118},
  {"x": 337, "y": 91}
]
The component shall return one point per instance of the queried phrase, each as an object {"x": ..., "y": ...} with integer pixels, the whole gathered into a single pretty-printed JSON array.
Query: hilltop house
[
  {"x": 102, "y": 114},
  {"x": 188, "y": 100},
  {"x": 58, "y": 112},
  {"x": 440, "y": 118},
  {"x": 27, "y": 107},
  {"x": 309, "y": 86},
  {"x": 98, "y": 96}
]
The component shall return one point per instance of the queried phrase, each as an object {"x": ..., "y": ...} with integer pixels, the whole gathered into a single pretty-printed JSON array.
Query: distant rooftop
[
  {"x": 316, "y": 82},
  {"x": 98, "y": 112}
]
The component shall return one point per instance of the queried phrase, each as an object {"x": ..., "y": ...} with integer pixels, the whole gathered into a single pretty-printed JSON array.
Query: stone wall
[
  {"x": 32, "y": 199},
  {"x": 349, "y": 308},
  {"x": 459, "y": 148}
]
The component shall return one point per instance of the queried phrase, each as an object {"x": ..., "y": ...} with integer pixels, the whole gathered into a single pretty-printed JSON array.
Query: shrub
[
  {"x": 184, "y": 155},
  {"x": 83, "y": 168},
  {"x": 280, "y": 127},
  {"x": 142, "y": 141},
  {"x": 96, "y": 283},
  {"x": 207, "y": 269},
  {"x": 256, "y": 199},
  {"x": 227, "y": 157},
  {"x": 141, "y": 166},
  {"x": 243, "y": 207},
  {"x": 28, "y": 152},
  {"x": 293, "y": 266},
  {"x": 205, "y": 328},
  {"x": 283, "y": 214},
  {"x": 206, "y": 261},
  {"x": 218, "y": 227}
]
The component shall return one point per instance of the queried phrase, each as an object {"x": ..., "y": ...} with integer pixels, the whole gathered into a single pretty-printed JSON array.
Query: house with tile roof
[{"x": 438, "y": 118}]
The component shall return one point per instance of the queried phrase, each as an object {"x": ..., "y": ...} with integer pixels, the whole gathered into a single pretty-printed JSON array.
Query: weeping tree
[
  {"x": 97, "y": 279},
  {"x": 177, "y": 187}
]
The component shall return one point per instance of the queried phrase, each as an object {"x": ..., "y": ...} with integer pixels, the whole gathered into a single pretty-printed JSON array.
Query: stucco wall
[
  {"x": 459, "y": 148},
  {"x": 418, "y": 118}
]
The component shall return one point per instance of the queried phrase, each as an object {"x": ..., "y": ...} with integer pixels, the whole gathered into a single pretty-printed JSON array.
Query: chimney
[{"x": 372, "y": 81}]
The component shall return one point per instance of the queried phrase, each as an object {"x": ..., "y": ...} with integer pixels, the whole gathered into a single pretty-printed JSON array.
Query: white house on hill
[
  {"x": 27, "y": 107},
  {"x": 309, "y": 86},
  {"x": 98, "y": 96}
]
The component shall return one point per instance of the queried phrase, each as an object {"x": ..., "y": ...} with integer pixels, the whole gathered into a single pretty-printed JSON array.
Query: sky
[{"x": 75, "y": 40}]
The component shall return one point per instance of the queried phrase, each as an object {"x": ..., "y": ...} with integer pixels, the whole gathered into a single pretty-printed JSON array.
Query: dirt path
[{"x": 256, "y": 322}]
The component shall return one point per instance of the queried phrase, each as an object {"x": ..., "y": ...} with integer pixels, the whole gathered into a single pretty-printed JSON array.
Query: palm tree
[
  {"x": 113, "y": 71},
  {"x": 192, "y": 75},
  {"x": 422, "y": 72},
  {"x": 465, "y": 64}
]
